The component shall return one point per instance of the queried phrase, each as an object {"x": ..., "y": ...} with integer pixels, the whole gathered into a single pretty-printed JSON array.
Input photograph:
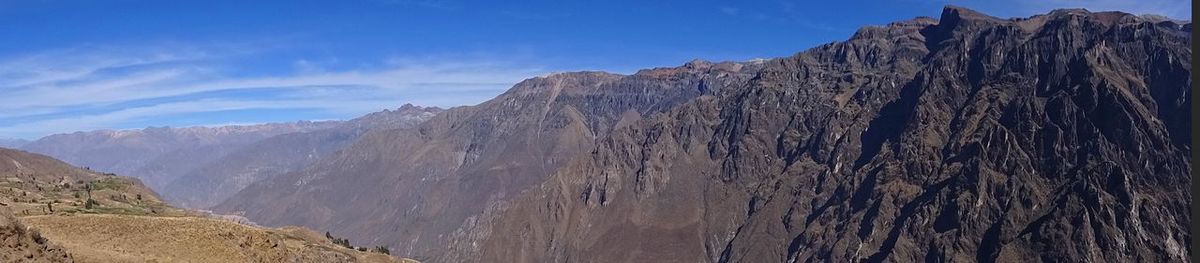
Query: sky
[{"x": 70, "y": 66}]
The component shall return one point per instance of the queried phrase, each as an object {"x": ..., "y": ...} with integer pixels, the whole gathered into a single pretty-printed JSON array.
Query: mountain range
[
  {"x": 12, "y": 143},
  {"x": 1057, "y": 137},
  {"x": 198, "y": 166}
]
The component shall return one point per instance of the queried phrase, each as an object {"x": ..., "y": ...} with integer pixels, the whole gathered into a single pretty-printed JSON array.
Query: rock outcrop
[{"x": 18, "y": 243}]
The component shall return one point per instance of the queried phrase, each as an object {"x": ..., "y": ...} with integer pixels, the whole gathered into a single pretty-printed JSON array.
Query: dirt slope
[
  {"x": 20, "y": 244},
  {"x": 100, "y": 217},
  {"x": 130, "y": 238}
]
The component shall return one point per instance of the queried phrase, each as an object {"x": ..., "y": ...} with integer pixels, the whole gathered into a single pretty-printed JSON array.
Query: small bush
[
  {"x": 91, "y": 203},
  {"x": 339, "y": 241},
  {"x": 382, "y": 250}
]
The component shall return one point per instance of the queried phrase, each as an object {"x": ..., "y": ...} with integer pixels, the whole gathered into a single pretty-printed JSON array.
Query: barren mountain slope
[
  {"x": 1060, "y": 137},
  {"x": 215, "y": 181},
  {"x": 410, "y": 188},
  {"x": 158, "y": 155}
]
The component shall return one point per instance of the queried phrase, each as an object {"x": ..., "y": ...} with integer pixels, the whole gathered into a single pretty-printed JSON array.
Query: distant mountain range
[
  {"x": 13, "y": 143},
  {"x": 199, "y": 166}
]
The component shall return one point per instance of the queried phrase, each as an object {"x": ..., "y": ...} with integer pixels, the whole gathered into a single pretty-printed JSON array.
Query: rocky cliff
[
  {"x": 1057, "y": 137},
  {"x": 411, "y": 188}
]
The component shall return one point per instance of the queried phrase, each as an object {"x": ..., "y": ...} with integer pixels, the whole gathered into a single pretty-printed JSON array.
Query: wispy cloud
[
  {"x": 782, "y": 12},
  {"x": 729, "y": 10},
  {"x": 75, "y": 89}
]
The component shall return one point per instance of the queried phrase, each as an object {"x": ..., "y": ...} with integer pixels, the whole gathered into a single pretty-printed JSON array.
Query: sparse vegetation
[
  {"x": 91, "y": 204},
  {"x": 185, "y": 239},
  {"x": 382, "y": 250},
  {"x": 344, "y": 242},
  {"x": 339, "y": 241},
  {"x": 107, "y": 183}
]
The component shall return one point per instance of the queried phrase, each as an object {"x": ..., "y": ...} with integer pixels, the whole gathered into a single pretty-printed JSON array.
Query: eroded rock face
[
  {"x": 1059, "y": 137},
  {"x": 410, "y": 189}
]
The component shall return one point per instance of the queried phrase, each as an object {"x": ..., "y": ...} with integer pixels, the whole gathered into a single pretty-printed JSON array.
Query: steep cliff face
[
  {"x": 411, "y": 188},
  {"x": 1059, "y": 137}
]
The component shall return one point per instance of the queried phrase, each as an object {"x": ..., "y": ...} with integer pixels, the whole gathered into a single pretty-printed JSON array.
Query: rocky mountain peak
[
  {"x": 953, "y": 16},
  {"x": 409, "y": 108},
  {"x": 551, "y": 85}
]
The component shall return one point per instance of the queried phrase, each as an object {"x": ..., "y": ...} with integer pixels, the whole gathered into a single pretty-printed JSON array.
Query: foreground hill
[
  {"x": 75, "y": 214},
  {"x": 126, "y": 238},
  {"x": 21, "y": 244},
  {"x": 34, "y": 184},
  {"x": 1058, "y": 137}
]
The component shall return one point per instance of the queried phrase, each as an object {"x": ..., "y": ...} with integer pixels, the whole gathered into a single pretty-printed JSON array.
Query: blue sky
[{"x": 83, "y": 65}]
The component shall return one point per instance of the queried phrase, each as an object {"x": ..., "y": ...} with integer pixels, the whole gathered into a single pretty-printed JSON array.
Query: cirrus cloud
[{"x": 89, "y": 88}]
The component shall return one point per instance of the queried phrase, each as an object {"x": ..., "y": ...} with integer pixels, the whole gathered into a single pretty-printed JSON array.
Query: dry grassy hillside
[
  {"x": 33, "y": 184},
  {"x": 134, "y": 238},
  {"x": 100, "y": 217}
]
